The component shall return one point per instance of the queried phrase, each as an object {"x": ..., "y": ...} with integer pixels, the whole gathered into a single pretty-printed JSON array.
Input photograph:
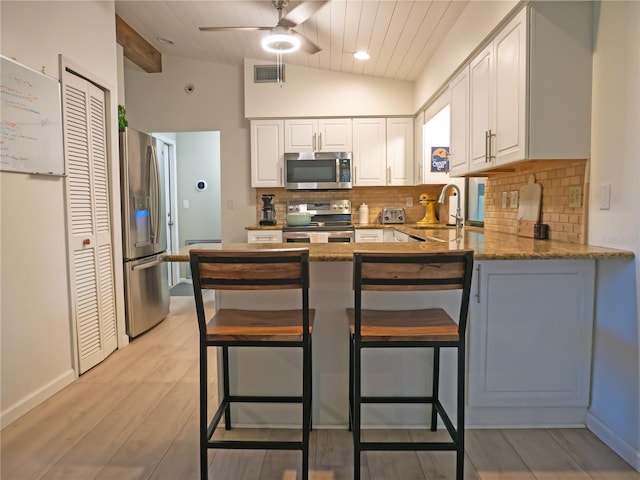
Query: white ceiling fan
[{"x": 282, "y": 39}]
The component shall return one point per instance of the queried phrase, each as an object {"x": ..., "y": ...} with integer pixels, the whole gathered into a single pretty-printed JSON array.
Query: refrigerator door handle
[
  {"x": 143, "y": 266},
  {"x": 154, "y": 168}
]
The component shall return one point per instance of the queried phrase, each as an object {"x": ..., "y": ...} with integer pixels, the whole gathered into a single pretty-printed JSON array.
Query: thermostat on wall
[{"x": 201, "y": 185}]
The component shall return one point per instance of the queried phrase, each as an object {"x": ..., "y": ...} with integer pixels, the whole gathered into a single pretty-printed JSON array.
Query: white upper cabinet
[
  {"x": 369, "y": 151},
  {"x": 267, "y": 153},
  {"x": 383, "y": 151},
  {"x": 399, "y": 151},
  {"x": 529, "y": 90},
  {"x": 459, "y": 123},
  {"x": 318, "y": 135},
  {"x": 497, "y": 80}
]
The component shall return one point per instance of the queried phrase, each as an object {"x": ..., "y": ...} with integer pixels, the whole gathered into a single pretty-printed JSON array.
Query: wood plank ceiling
[{"x": 399, "y": 35}]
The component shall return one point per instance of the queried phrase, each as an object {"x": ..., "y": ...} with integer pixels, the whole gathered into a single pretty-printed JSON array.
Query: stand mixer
[{"x": 429, "y": 211}]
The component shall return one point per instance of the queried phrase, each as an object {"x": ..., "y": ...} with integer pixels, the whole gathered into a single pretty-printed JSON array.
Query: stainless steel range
[{"x": 330, "y": 222}]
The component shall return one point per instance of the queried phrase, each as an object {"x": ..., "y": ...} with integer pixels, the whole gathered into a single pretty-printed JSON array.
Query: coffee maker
[{"x": 268, "y": 210}]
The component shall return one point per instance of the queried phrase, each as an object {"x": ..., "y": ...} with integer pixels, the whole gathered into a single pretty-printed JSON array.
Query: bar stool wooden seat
[
  {"x": 273, "y": 269},
  {"x": 429, "y": 327}
]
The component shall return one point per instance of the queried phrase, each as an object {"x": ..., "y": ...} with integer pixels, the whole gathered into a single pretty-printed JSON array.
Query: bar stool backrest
[
  {"x": 270, "y": 269},
  {"x": 403, "y": 271}
]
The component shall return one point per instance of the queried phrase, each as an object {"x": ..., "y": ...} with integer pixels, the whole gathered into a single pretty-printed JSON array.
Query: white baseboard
[
  {"x": 35, "y": 398},
  {"x": 623, "y": 448}
]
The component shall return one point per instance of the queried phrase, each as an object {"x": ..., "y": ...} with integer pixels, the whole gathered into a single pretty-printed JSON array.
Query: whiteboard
[{"x": 31, "y": 115}]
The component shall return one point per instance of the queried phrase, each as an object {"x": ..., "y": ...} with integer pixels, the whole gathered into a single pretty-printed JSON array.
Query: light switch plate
[
  {"x": 185, "y": 204},
  {"x": 409, "y": 201}
]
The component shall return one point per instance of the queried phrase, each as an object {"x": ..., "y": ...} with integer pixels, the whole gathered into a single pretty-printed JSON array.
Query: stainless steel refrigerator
[{"x": 143, "y": 231}]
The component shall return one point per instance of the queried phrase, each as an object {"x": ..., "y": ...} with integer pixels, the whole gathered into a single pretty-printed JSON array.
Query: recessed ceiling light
[
  {"x": 166, "y": 41},
  {"x": 362, "y": 55}
]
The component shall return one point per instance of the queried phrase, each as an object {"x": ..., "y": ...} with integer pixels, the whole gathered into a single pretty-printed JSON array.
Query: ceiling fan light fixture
[
  {"x": 361, "y": 55},
  {"x": 280, "y": 43}
]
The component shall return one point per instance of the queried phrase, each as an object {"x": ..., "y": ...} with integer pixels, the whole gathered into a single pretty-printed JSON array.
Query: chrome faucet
[{"x": 458, "y": 215}]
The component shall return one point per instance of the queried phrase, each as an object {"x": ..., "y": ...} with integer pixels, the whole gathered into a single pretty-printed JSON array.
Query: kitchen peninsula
[{"x": 530, "y": 333}]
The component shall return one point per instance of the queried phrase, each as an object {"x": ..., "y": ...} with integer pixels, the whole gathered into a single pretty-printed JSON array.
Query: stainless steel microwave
[{"x": 317, "y": 170}]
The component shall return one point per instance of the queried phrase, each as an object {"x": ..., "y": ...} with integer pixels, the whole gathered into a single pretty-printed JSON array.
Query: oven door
[{"x": 318, "y": 237}]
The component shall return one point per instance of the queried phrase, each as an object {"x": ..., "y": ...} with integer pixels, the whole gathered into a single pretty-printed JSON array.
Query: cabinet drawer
[
  {"x": 369, "y": 235},
  {"x": 264, "y": 236}
]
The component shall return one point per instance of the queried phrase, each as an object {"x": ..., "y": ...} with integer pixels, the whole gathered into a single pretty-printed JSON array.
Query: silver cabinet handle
[
  {"x": 320, "y": 141},
  {"x": 486, "y": 145},
  {"x": 478, "y": 284},
  {"x": 281, "y": 176},
  {"x": 314, "y": 142},
  {"x": 491, "y": 156},
  {"x": 388, "y": 175}
]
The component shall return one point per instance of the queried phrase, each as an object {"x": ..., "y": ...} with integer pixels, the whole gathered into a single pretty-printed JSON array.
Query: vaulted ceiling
[{"x": 399, "y": 35}]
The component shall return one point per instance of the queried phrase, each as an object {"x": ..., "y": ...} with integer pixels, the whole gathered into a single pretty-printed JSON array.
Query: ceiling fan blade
[
  {"x": 226, "y": 29},
  {"x": 301, "y": 13},
  {"x": 306, "y": 44}
]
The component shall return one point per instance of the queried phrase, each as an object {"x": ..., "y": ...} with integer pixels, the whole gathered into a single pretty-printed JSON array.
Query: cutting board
[{"x": 529, "y": 199}]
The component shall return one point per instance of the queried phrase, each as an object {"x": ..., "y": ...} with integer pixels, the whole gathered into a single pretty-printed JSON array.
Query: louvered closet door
[{"x": 89, "y": 221}]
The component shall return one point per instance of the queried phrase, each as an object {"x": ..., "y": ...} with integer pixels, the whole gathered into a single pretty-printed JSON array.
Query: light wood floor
[{"x": 135, "y": 417}]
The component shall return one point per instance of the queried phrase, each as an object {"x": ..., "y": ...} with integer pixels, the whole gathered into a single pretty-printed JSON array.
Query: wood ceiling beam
[{"x": 137, "y": 49}]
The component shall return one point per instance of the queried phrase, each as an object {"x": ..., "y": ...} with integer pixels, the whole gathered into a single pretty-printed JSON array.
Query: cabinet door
[
  {"x": 400, "y": 151},
  {"x": 418, "y": 150},
  {"x": 300, "y": 135},
  {"x": 510, "y": 91},
  {"x": 267, "y": 153},
  {"x": 369, "y": 151},
  {"x": 531, "y": 333},
  {"x": 481, "y": 94},
  {"x": 459, "y": 124},
  {"x": 334, "y": 135},
  {"x": 93, "y": 303}
]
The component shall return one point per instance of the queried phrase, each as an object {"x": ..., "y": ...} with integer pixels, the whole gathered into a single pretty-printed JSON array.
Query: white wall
[
  {"x": 615, "y": 150},
  {"x": 158, "y": 103},
  {"x": 310, "y": 92},
  {"x": 198, "y": 158},
  {"x": 36, "y": 349}
]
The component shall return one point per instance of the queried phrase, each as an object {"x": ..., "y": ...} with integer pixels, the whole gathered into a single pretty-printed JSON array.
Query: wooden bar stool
[
  {"x": 430, "y": 327},
  {"x": 273, "y": 269}
]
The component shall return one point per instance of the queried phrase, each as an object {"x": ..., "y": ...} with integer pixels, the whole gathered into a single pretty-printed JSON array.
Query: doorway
[{"x": 191, "y": 165}]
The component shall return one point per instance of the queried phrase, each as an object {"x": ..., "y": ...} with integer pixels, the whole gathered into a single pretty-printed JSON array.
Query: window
[{"x": 474, "y": 188}]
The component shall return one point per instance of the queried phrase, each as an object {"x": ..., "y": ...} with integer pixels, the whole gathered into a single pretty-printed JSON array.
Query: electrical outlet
[
  {"x": 185, "y": 204},
  {"x": 513, "y": 199},
  {"x": 504, "y": 199},
  {"x": 575, "y": 196},
  {"x": 605, "y": 196},
  {"x": 409, "y": 201}
]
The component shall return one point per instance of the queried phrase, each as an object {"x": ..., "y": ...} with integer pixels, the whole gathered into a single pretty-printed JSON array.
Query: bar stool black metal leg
[
  {"x": 356, "y": 409},
  {"x": 204, "y": 458},
  {"x": 435, "y": 388},
  {"x": 225, "y": 386},
  {"x": 350, "y": 383},
  {"x": 306, "y": 409},
  {"x": 460, "y": 419}
]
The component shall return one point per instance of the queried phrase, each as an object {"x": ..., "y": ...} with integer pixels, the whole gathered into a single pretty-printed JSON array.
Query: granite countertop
[{"x": 486, "y": 245}]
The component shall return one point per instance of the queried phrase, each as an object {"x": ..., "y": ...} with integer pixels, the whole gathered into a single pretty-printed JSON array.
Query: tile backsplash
[
  {"x": 375, "y": 197},
  {"x": 567, "y": 223}
]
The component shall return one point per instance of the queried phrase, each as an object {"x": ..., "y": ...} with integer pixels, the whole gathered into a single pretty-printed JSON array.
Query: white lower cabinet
[
  {"x": 530, "y": 333},
  {"x": 369, "y": 234},
  {"x": 264, "y": 236}
]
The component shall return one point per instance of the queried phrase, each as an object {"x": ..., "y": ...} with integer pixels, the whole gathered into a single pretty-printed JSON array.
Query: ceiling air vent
[{"x": 267, "y": 74}]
